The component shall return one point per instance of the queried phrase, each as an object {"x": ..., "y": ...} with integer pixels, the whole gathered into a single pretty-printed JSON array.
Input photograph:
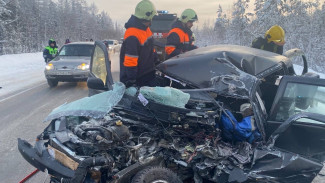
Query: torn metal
[{"x": 112, "y": 136}]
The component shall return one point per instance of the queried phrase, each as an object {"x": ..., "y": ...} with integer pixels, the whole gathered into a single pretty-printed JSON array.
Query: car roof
[
  {"x": 252, "y": 61},
  {"x": 83, "y": 43},
  {"x": 230, "y": 70}
]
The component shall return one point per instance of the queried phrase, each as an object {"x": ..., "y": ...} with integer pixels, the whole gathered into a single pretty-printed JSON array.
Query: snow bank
[{"x": 19, "y": 71}]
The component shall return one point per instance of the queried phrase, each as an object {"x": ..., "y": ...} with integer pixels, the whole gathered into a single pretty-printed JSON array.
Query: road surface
[{"x": 22, "y": 113}]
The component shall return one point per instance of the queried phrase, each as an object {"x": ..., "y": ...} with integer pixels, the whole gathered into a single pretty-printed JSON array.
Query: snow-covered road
[{"x": 20, "y": 71}]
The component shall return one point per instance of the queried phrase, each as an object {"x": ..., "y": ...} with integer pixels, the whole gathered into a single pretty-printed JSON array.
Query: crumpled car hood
[
  {"x": 251, "y": 60},
  {"x": 218, "y": 74}
]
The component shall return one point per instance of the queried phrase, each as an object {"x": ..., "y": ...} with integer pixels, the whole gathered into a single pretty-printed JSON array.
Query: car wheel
[
  {"x": 156, "y": 175},
  {"x": 52, "y": 83}
]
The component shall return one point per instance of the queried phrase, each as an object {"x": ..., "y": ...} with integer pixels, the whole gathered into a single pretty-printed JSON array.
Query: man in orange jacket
[
  {"x": 137, "y": 57},
  {"x": 179, "y": 38}
]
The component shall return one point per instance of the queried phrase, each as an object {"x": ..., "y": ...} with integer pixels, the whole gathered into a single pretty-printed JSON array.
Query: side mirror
[{"x": 95, "y": 83}]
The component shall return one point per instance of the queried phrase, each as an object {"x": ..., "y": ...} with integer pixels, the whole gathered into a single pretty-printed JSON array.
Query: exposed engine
[{"x": 186, "y": 141}]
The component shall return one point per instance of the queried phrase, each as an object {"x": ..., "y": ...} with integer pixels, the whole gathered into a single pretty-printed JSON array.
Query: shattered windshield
[
  {"x": 218, "y": 73},
  {"x": 235, "y": 83},
  {"x": 96, "y": 106}
]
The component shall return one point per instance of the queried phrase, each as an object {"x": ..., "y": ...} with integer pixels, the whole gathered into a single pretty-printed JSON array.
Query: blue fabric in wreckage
[{"x": 239, "y": 131}]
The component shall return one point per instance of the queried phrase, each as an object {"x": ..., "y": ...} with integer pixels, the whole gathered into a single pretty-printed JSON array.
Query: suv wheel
[
  {"x": 156, "y": 175},
  {"x": 52, "y": 82}
]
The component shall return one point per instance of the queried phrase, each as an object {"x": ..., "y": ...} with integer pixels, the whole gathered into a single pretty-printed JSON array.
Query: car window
[
  {"x": 76, "y": 50},
  {"x": 161, "y": 25},
  {"x": 98, "y": 67},
  {"x": 110, "y": 42},
  {"x": 300, "y": 97},
  {"x": 162, "y": 22}
]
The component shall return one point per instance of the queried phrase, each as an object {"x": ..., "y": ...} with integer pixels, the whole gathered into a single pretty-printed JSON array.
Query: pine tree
[
  {"x": 221, "y": 26},
  {"x": 4, "y": 20},
  {"x": 239, "y": 32},
  {"x": 27, "y": 25}
]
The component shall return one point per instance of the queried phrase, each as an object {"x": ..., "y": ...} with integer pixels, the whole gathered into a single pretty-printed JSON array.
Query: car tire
[
  {"x": 52, "y": 83},
  {"x": 157, "y": 175}
]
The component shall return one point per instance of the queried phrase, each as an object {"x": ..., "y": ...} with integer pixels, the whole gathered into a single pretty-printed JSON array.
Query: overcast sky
[{"x": 121, "y": 10}]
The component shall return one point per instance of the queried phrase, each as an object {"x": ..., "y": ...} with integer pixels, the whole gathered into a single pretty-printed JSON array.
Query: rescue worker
[
  {"x": 50, "y": 51},
  {"x": 137, "y": 56},
  {"x": 273, "y": 40},
  {"x": 179, "y": 38}
]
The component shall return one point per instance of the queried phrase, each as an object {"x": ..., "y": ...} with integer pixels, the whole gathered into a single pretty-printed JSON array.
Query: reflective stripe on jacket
[
  {"x": 49, "y": 53},
  {"x": 178, "y": 40},
  {"x": 183, "y": 39},
  {"x": 52, "y": 51},
  {"x": 137, "y": 53}
]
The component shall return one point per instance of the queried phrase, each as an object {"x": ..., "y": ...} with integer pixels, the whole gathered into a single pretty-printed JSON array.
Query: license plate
[{"x": 63, "y": 73}]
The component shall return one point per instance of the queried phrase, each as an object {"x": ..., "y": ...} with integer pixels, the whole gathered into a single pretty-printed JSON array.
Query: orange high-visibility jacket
[
  {"x": 178, "y": 40},
  {"x": 137, "y": 57}
]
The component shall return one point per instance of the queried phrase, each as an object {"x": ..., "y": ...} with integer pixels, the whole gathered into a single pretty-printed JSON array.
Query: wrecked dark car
[{"x": 227, "y": 118}]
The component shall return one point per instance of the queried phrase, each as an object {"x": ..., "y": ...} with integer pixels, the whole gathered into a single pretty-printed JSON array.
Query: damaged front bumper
[
  {"x": 59, "y": 171},
  {"x": 43, "y": 161}
]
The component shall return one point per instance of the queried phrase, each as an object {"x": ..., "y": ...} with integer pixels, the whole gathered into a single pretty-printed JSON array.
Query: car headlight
[
  {"x": 83, "y": 66},
  {"x": 109, "y": 47},
  {"x": 49, "y": 66}
]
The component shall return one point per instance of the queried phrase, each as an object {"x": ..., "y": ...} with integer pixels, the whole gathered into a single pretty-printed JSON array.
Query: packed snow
[{"x": 20, "y": 71}]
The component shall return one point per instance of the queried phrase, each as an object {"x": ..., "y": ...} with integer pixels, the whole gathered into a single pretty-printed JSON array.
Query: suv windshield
[
  {"x": 110, "y": 42},
  {"x": 162, "y": 22},
  {"x": 76, "y": 50}
]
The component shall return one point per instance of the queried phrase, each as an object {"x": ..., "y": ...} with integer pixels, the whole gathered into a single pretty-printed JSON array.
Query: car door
[
  {"x": 306, "y": 135},
  {"x": 100, "y": 76}
]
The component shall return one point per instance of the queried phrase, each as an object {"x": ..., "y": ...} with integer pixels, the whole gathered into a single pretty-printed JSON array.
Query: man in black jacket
[
  {"x": 137, "y": 56},
  {"x": 180, "y": 37},
  {"x": 273, "y": 40}
]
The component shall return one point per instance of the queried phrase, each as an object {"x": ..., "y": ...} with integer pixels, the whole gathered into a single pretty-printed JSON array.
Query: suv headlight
[
  {"x": 49, "y": 66},
  {"x": 83, "y": 66}
]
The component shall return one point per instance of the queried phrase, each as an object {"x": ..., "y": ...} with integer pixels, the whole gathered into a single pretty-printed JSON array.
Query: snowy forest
[
  {"x": 302, "y": 20},
  {"x": 27, "y": 25}
]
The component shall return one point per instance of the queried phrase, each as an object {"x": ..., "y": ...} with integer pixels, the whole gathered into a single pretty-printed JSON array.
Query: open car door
[
  {"x": 301, "y": 99},
  {"x": 100, "y": 76}
]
